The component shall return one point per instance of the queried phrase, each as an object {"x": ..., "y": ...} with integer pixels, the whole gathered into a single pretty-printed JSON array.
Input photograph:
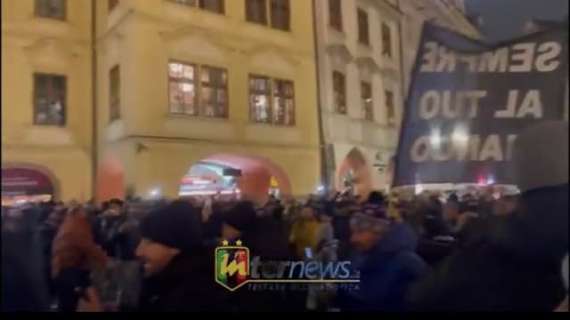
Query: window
[
  {"x": 189, "y": 84},
  {"x": 213, "y": 92},
  {"x": 363, "y": 32},
  {"x": 113, "y": 4},
  {"x": 272, "y": 101},
  {"x": 283, "y": 103},
  {"x": 386, "y": 41},
  {"x": 335, "y": 14},
  {"x": 217, "y": 6},
  {"x": 182, "y": 89},
  {"x": 339, "y": 88},
  {"x": 256, "y": 11},
  {"x": 115, "y": 94},
  {"x": 54, "y": 9},
  {"x": 390, "y": 108},
  {"x": 49, "y": 99},
  {"x": 367, "y": 102},
  {"x": 260, "y": 99},
  {"x": 278, "y": 15}
]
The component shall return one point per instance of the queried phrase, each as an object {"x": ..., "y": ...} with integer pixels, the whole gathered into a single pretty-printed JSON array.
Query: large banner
[{"x": 468, "y": 102}]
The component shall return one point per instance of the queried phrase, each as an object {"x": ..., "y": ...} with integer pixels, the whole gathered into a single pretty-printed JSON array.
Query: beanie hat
[
  {"x": 540, "y": 157},
  {"x": 242, "y": 216},
  {"x": 176, "y": 225}
]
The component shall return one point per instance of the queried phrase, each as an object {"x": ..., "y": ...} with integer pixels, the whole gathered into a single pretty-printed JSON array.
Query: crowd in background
[{"x": 476, "y": 251}]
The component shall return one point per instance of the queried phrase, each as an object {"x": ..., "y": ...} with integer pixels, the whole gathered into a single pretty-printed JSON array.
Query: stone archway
[
  {"x": 257, "y": 174},
  {"x": 24, "y": 180},
  {"x": 354, "y": 171}
]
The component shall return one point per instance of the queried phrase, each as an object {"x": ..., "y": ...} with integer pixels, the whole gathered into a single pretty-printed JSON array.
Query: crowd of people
[{"x": 475, "y": 251}]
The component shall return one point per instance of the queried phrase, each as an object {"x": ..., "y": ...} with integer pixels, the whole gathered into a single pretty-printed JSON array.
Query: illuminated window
[
  {"x": 283, "y": 103},
  {"x": 367, "y": 102},
  {"x": 55, "y": 9},
  {"x": 213, "y": 92},
  {"x": 115, "y": 93},
  {"x": 272, "y": 101},
  {"x": 182, "y": 86},
  {"x": 339, "y": 89},
  {"x": 190, "y": 83},
  {"x": 260, "y": 97},
  {"x": 49, "y": 99}
]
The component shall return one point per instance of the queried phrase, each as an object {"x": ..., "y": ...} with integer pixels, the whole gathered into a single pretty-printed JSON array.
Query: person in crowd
[
  {"x": 515, "y": 264},
  {"x": 178, "y": 267},
  {"x": 74, "y": 256},
  {"x": 114, "y": 231},
  {"x": 386, "y": 261},
  {"x": 24, "y": 288},
  {"x": 304, "y": 232}
]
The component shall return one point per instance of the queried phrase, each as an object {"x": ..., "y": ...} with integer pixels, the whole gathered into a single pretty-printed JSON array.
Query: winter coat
[
  {"x": 185, "y": 285},
  {"x": 514, "y": 265},
  {"x": 386, "y": 273}
]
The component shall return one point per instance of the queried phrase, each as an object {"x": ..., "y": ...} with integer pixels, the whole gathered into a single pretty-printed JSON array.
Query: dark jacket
[
  {"x": 514, "y": 265},
  {"x": 186, "y": 285},
  {"x": 117, "y": 235},
  {"x": 386, "y": 273}
]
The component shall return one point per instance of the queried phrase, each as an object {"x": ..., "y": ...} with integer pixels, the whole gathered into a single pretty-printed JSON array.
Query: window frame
[
  {"x": 387, "y": 51},
  {"x": 115, "y": 100},
  {"x": 337, "y": 107},
  {"x": 390, "y": 109},
  {"x": 284, "y": 4},
  {"x": 35, "y": 93},
  {"x": 362, "y": 13},
  {"x": 269, "y": 18},
  {"x": 178, "y": 80},
  {"x": 367, "y": 106},
  {"x": 336, "y": 20},
  {"x": 284, "y": 97},
  {"x": 271, "y": 95},
  {"x": 201, "y": 107},
  {"x": 37, "y": 11},
  {"x": 268, "y": 94}
]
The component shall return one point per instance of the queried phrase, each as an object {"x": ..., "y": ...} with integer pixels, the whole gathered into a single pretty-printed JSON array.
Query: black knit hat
[
  {"x": 176, "y": 225},
  {"x": 241, "y": 216}
]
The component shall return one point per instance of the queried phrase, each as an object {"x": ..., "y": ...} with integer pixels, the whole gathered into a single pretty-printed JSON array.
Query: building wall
[
  {"x": 341, "y": 51},
  {"x": 142, "y": 36},
  {"x": 31, "y": 44}
]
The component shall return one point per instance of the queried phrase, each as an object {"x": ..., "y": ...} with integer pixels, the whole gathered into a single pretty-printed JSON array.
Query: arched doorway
[
  {"x": 354, "y": 174},
  {"x": 27, "y": 183},
  {"x": 110, "y": 180},
  {"x": 251, "y": 177}
]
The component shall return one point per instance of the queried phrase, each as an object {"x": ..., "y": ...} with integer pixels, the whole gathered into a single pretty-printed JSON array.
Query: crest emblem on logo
[{"x": 232, "y": 265}]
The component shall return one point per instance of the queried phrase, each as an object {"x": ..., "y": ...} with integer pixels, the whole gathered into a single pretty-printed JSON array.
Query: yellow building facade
[
  {"x": 139, "y": 143},
  {"x": 48, "y": 138},
  {"x": 155, "y": 147}
]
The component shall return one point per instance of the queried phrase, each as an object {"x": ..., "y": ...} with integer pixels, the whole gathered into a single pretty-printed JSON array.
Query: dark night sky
[{"x": 504, "y": 19}]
